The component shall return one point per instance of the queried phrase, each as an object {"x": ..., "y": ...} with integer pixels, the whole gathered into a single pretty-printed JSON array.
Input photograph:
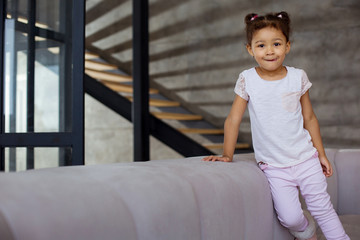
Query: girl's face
[{"x": 269, "y": 47}]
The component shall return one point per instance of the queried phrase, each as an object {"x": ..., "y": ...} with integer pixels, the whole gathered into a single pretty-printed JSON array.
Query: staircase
[
  {"x": 109, "y": 60},
  {"x": 164, "y": 109}
]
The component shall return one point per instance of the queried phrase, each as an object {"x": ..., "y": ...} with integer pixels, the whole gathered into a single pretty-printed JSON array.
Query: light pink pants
[{"x": 309, "y": 178}]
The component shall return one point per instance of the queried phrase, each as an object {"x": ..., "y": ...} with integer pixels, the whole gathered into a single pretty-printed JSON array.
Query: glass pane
[
  {"x": 46, "y": 86},
  {"x": 47, "y": 14},
  {"x": 17, "y": 9},
  {"x": 15, "y": 76},
  {"x": 16, "y": 158},
  {"x": 48, "y": 106}
]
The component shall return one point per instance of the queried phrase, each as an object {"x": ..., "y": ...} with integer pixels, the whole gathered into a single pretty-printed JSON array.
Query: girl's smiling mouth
[{"x": 271, "y": 60}]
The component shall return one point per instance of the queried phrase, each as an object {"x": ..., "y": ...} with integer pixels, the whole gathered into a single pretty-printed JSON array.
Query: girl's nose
[{"x": 269, "y": 51}]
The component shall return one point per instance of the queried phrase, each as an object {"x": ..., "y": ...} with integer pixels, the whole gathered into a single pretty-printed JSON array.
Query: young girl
[{"x": 285, "y": 130}]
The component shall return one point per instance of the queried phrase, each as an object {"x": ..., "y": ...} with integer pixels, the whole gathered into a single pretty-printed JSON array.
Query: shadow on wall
[{"x": 197, "y": 51}]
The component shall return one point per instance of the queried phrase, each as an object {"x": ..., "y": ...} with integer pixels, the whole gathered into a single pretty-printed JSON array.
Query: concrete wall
[
  {"x": 109, "y": 137},
  {"x": 197, "y": 50}
]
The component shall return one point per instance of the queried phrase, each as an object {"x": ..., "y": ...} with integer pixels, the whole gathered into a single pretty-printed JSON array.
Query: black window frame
[{"x": 75, "y": 138}]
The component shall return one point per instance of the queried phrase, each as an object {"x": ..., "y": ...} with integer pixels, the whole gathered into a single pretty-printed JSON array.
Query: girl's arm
[
  {"x": 231, "y": 129},
  {"x": 312, "y": 125}
]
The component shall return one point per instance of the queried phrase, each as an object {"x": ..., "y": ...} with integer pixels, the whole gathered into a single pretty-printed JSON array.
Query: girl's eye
[
  {"x": 277, "y": 44},
  {"x": 261, "y": 45}
]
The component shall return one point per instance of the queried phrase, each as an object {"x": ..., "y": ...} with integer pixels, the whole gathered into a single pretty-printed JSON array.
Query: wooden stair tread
[
  {"x": 89, "y": 55},
  {"x": 114, "y": 81},
  {"x": 160, "y": 103},
  {"x": 163, "y": 103},
  {"x": 100, "y": 66},
  {"x": 201, "y": 130},
  {"x": 113, "y": 77},
  {"x": 220, "y": 145},
  {"x": 125, "y": 88},
  {"x": 176, "y": 116}
]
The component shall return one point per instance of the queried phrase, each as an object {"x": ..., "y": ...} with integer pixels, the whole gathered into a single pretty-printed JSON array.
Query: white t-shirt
[{"x": 277, "y": 125}]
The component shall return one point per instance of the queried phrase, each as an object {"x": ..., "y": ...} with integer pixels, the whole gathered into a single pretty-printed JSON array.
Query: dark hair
[{"x": 254, "y": 22}]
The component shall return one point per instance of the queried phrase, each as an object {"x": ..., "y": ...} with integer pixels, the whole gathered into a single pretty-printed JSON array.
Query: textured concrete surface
[
  {"x": 197, "y": 49},
  {"x": 109, "y": 137},
  {"x": 324, "y": 40}
]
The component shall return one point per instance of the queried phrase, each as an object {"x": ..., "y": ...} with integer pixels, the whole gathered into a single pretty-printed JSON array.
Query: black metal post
[
  {"x": 2, "y": 33},
  {"x": 31, "y": 14},
  {"x": 65, "y": 103},
  {"x": 78, "y": 43},
  {"x": 159, "y": 129},
  {"x": 141, "y": 80}
]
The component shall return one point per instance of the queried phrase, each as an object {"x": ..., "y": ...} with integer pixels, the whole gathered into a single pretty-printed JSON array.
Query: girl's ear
[
  {"x": 287, "y": 47},
  {"x": 248, "y": 47}
]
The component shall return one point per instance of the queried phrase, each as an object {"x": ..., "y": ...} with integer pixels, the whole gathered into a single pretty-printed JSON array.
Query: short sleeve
[
  {"x": 240, "y": 88},
  {"x": 305, "y": 83}
]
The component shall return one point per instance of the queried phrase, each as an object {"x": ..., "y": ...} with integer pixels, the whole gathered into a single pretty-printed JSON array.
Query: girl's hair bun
[
  {"x": 250, "y": 17},
  {"x": 284, "y": 16}
]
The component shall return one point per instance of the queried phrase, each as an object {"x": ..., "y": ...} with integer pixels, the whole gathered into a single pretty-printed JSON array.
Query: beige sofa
[{"x": 184, "y": 199}]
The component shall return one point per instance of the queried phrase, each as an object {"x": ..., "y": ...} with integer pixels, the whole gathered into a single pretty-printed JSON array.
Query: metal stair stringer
[{"x": 158, "y": 129}]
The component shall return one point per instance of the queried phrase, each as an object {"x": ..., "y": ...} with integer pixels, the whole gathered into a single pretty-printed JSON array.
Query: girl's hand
[
  {"x": 326, "y": 166},
  {"x": 216, "y": 158}
]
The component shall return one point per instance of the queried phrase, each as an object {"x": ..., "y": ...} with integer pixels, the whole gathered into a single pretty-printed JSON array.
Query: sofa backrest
[
  {"x": 333, "y": 180},
  {"x": 164, "y": 199}
]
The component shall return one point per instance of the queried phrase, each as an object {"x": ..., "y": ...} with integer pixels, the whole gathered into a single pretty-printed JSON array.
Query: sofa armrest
[{"x": 348, "y": 171}]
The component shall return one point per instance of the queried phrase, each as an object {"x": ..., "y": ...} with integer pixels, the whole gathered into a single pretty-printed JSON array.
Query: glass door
[{"x": 42, "y": 99}]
